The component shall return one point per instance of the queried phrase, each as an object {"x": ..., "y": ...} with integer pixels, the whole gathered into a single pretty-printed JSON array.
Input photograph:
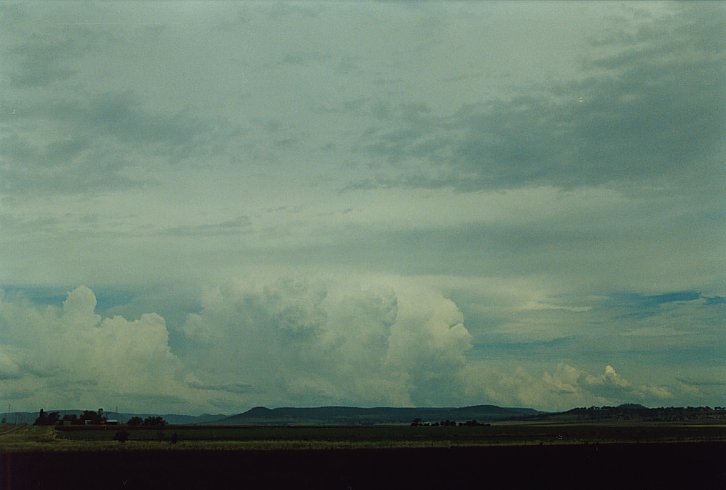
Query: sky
[{"x": 210, "y": 206}]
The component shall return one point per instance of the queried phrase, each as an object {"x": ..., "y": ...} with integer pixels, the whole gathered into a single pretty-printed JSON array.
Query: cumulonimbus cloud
[
  {"x": 329, "y": 344},
  {"x": 74, "y": 357},
  {"x": 289, "y": 342}
]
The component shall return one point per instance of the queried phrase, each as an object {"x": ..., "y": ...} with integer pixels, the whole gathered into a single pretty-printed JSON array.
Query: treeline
[
  {"x": 148, "y": 421},
  {"x": 89, "y": 417},
  {"x": 631, "y": 411},
  {"x": 417, "y": 422}
]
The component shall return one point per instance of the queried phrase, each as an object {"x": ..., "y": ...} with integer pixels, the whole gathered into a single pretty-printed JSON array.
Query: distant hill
[
  {"x": 396, "y": 416},
  {"x": 636, "y": 413},
  {"x": 373, "y": 416}
]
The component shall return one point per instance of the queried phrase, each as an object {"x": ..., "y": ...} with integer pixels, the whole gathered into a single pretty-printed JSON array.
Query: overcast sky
[{"x": 206, "y": 207}]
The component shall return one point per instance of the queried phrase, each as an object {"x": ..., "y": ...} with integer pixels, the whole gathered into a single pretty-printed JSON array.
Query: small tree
[
  {"x": 45, "y": 418},
  {"x": 121, "y": 436},
  {"x": 93, "y": 418},
  {"x": 154, "y": 421},
  {"x": 133, "y": 421}
]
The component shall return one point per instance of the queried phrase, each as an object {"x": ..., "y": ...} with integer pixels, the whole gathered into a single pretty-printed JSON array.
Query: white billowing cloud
[
  {"x": 546, "y": 306},
  {"x": 295, "y": 342},
  {"x": 9, "y": 363},
  {"x": 72, "y": 357},
  {"x": 564, "y": 387},
  {"x": 390, "y": 341},
  {"x": 429, "y": 342},
  {"x": 609, "y": 377}
]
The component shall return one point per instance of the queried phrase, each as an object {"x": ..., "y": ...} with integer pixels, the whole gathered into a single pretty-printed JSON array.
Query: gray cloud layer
[{"x": 650, "y": 112}]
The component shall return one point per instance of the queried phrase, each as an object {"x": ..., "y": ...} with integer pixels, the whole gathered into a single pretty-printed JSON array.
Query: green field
[{"x": 29, "y": 438}]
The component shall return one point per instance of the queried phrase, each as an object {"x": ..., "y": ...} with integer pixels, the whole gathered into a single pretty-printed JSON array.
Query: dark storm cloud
[
  {"x": 702, "y": 382},
  {"x": 238, "y": 388},
  {"x": 229, "y": 227},
  {"x": 652, "y": 111},
  {"x": 108, "y": 133},
  {"x": 121, "y": 116},
  {"x": 44, "y": 60},
  {"x": 134, "y": 399},
  {"x": 9, "y": 371},
  {"x": 653, "y": 301},
  {"x": 281, "y": 10},
  {"x": 63, "y": 132},
  {"x": 642, "y": 306},
  {"x": 304, "y": 58},
  {"x": 64, "y": 166},
  {"x": 11, "y": 14}
]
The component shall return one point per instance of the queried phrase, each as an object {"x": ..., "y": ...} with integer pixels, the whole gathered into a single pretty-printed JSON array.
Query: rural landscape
[
  {"x": 628, "y": 446},
  {"x": 362, "y": 244}
]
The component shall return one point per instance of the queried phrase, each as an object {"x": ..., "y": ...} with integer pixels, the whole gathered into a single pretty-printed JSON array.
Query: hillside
[
  {"x": 337, "y": 415},
  {"x": 373, "y": 416},
  {"x": 630, "y": 412}
]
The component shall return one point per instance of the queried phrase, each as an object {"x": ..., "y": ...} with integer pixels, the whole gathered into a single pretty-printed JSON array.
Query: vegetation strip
[{"x": 125, "y": 438}]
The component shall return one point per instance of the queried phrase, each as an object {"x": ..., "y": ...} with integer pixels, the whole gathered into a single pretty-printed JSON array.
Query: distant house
[{"x": 111, "y": 422}]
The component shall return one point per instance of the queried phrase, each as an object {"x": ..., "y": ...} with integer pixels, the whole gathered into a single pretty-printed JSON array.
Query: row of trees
[
  {"x": 630, "y": 411},
  {"x": 445, "y": 423},
  {"x": 89, "y": 417},
  {"x": 148, "y": 421}
]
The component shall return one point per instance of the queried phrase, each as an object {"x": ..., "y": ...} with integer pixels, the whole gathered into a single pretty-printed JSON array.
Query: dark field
[
  {"x": 615, "y": 456},
  {"x": 261, "y": 437},
  {"x": 601, "y": 466}
]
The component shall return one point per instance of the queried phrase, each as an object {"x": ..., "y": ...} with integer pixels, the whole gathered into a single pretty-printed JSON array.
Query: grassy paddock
[{"x": 76, "y": 438}]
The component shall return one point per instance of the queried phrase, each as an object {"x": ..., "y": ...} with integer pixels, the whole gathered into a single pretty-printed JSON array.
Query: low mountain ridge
[
  {"x": 337, "y": 415},
  {"x": 637, "y": 413}
]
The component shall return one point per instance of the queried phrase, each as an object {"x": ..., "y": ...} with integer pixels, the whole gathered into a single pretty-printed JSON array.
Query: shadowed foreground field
[
  {"x": 377, "y": 437},
  {"x": 606, "y": 466},
  {"x": 500, "y": 456}
]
